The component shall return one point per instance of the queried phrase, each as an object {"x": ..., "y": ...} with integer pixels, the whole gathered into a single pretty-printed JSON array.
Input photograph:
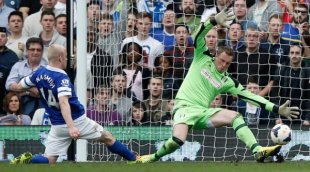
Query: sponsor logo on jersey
[{"x": 209, "y": 77}]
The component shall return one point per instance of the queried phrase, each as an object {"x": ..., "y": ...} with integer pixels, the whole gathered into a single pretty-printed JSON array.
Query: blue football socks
[{"x": 122, "y": 150}]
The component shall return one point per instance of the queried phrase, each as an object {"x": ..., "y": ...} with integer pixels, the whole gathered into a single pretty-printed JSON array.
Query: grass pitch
[{"x": 161, "y": 167}]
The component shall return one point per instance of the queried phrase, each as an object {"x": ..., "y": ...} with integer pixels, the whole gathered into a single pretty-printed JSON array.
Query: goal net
[{"x": 124, "y": 83}]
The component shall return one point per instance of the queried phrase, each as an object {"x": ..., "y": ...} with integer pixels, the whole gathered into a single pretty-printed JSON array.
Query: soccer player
[
  {"x": 66, "y": 113},
  {"x": 192, "y": 111}
]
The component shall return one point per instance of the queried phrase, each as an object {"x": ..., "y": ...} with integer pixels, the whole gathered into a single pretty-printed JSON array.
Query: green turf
[{"x": 161, "y": 167}]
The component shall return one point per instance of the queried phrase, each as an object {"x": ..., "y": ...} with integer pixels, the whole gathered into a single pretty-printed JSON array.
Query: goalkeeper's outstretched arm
[
  {"x": 284, "y": 110},
  {"x": 199, "y": 35}
]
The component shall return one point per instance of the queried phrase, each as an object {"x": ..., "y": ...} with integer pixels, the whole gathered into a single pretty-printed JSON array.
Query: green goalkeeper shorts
[{"x": 196, "y": 117}]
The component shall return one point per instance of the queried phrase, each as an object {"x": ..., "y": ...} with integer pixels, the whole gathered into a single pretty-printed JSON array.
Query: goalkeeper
[{"x": 207, "y": 78}]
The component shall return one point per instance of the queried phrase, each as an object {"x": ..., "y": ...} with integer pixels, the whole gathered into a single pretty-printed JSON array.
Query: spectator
[
  {"x": 234, "y": 38},
  {"x": 60, "y": 7},
  {"x": 253, "y": 115},
  {"x": 99, "y": 63},
  {"x": 119, "y": 101},
  {"x": 40, "y": 117},
  {"x": 217, "y": 102},
  {"x": 287, "y": 9},
  {"x": 131, "y": 29},
  {"x": 253, "y": 60},
  {"x": 155, "y": 104},
  {"x": 167, "y": 119},
  {"x": 182, "y": 53},
  {"x": 164, "y": 68},
  {"x": 188, "y": 17},
  {"x": 12, "y": 105},
  {"x": 139, "y": 115},
  {"x": 211, "y": 39},
  {"x": 217, "y": 6},
  {"x": 28, "y": 7},
  {"x": 16, "y": 40},
  {"x": 110, "y": 38},
  {"x": 292, "y": 83},
  {"x": 137, "y": 75},
  {"x": 261, "y": 11},
  {"x": 151, "y": 47},
  {"x": 61, "y": 24},
  {"x": 240, "y": 10},
  {"x": 7, "y": 59},
  {"x": 155, "y": 8},
  {"x": 49, "y": 35},
  {"x": 93, "y": 13},
  {"x": 166, "y": 34},
  {"x": 100, "y": 111},
  {"x": 114, "y": 8},
  {"x": 35, "y": 19},
  {"x": 21, "y": 69},
  {"x": 4, "y": 13},
  {"x": 274, "y": 43}
]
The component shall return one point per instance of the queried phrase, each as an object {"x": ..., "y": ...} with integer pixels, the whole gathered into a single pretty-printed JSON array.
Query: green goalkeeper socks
[
  {"x": 245, "y": 134},
  {"x": 169, "y": 146}
]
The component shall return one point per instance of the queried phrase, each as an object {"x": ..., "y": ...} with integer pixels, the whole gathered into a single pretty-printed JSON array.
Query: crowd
[{"x": 139, "y": 52}]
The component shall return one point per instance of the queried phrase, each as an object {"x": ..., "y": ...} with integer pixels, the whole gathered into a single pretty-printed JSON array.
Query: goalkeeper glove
[
  {"x": 287, "y": 111},
  {"x": 223, "y": 16}
]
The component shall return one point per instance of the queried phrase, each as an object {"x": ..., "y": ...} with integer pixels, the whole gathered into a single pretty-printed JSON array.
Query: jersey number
[{"x": 51, "y": 100}]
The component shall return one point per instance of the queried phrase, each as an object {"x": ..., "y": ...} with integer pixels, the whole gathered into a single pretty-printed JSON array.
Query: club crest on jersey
[
  {"x": 208, "y": 76},
  {"x": 65, "y": 83}
]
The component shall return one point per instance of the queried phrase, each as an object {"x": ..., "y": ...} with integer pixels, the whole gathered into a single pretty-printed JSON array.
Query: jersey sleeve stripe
[
  {"x": 26, "y": 82},
  {"x": 60, "y": 89},
  {"x": 60, "y": 94}
]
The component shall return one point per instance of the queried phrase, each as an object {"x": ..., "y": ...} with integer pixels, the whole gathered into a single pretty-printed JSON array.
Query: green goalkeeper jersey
[{"x": 203, "y": 82}]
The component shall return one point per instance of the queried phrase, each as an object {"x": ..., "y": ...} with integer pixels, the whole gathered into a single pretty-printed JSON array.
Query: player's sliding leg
[
  {"x": 116, "y": 146},
  {"x": 179, "y": 136},
  {"x": 227, "y": 117},
  {"x": 27, "y": 158}
]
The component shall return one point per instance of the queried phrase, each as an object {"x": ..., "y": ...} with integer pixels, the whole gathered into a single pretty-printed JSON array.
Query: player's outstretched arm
[
  {"x": 288, "y": 112},
  {"x": 200, "y": 33}
]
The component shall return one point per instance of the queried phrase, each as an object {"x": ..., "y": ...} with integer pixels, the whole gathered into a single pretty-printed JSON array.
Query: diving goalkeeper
[{"x": 207, "y": 78}]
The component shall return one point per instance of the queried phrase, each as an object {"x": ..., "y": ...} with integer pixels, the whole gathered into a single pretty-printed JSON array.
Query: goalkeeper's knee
[{"x": 178, "y": 141}]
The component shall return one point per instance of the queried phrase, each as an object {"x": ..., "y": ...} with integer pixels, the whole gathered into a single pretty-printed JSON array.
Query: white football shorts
[{"x": 59, "y": 140}]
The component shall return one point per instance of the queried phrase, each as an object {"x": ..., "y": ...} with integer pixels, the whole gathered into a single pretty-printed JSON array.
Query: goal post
[{"x": 81, "y": 145}]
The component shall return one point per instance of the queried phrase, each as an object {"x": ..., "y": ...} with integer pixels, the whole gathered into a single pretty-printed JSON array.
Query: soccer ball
[{"x": 281, "y": 134}]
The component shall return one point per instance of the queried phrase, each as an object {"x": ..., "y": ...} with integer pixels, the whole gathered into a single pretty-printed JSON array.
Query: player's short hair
[
  {"x": 34, "y": 40},
  {"x": 143, "y": 15},
  {"x": 16, "y": 13},
  {"x": 229, "y": 51},
  {"x": 47, "y": 13}
]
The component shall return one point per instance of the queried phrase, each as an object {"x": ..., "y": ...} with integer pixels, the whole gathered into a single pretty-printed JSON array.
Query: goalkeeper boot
[
  {"x": 265, "y": 152},
  {"x": 146, "y": 159},
  {"x": 24, "y": 158}
]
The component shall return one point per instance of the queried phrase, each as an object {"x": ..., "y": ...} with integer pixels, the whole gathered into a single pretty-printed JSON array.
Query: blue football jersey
[{"x": 53, "y": 83}]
